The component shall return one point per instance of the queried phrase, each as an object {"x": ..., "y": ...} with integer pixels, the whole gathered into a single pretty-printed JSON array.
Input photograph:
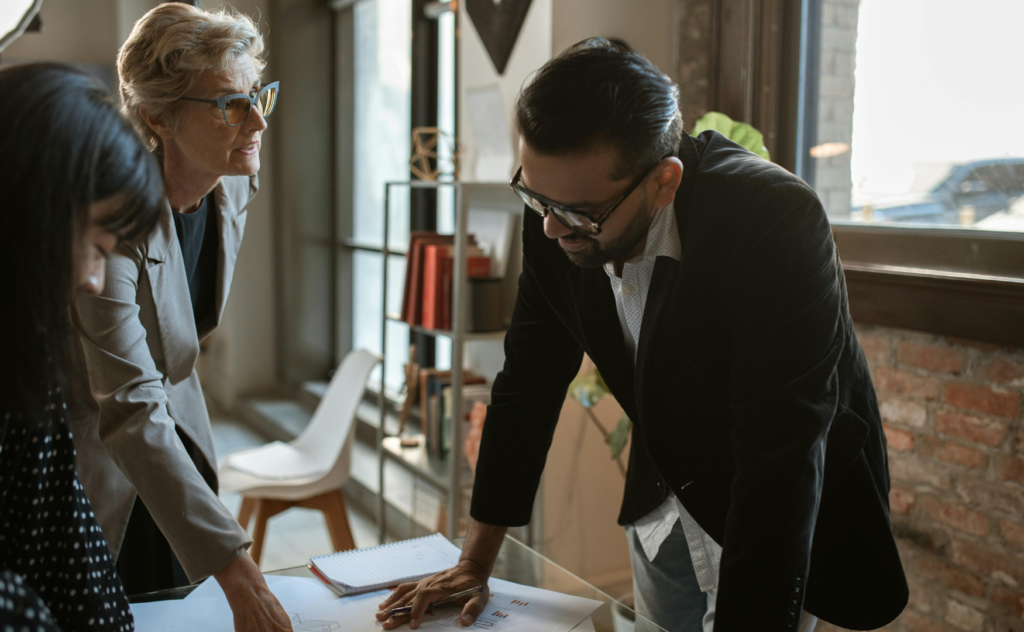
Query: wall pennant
[{"x": 498, "y": 22}]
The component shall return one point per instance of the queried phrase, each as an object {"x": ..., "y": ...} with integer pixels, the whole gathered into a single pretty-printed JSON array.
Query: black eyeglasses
[
  {"x": 574, "y": 219},
  {"x": 236, "y": 107}
]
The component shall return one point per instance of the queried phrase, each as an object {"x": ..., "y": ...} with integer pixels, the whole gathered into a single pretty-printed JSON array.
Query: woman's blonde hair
[{"x": 169, "y": 48}]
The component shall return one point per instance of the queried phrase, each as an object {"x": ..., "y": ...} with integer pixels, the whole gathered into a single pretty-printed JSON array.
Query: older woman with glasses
[{"x": 190, "y": 82}]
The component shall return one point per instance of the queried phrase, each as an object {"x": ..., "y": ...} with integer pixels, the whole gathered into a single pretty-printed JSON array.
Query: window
[
  {"x": 914, "y": 116},
  {"x": 379, "y": 101}
]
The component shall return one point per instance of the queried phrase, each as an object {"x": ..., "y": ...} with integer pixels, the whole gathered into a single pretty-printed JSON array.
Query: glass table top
[{"x": 516, "y": 563}]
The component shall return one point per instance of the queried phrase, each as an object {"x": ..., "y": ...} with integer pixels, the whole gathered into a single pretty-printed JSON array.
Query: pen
[
  {"x": 325, "y": 580},
  {"x": 446, "y": 600}
]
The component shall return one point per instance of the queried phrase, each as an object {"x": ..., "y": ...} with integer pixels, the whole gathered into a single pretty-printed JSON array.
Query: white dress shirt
[{"x": 630, "y": 298}]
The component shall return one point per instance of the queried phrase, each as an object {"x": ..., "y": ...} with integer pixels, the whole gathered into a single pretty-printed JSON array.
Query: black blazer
[{"x": 751, "y": 398}]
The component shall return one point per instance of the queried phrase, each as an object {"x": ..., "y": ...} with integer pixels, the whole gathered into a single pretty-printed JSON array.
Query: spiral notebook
[{"x": 365, "y": 570}]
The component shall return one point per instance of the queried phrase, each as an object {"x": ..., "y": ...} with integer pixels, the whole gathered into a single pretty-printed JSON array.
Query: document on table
[{"x": 312, "y": 607}]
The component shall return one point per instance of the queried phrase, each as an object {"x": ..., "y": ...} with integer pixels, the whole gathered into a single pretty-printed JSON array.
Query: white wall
[
  {"x": 646, "y": 25},
  {"x": 532, "y": 49},
  {"x": 74, "y": 31}
]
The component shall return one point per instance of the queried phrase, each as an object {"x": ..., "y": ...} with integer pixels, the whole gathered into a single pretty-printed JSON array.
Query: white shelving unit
[{"x": 450, "y": 474}]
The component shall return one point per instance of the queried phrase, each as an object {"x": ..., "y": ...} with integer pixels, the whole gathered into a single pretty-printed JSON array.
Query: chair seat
[{"x": 277, "y": 461}]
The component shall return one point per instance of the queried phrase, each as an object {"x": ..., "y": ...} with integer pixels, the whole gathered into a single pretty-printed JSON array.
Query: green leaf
[
  {"x": 619, "y": 437},
  {"x": 588, "y": 388},
  {"x": 739, "y": 133}
]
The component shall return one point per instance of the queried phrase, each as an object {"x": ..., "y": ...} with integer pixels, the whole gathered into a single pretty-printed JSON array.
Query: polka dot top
[
  {"x": 21, "y": 610},
  {"x": 48, "y": 533}
]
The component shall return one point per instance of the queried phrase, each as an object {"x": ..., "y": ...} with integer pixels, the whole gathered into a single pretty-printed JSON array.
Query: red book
[
  {"x": 433, "y": 259},
  {"x": 447, "y": 268},
  {"x": 407, "y": 295},
  {"x": 414, "y": 315},
  {"x": 478, "y": 266}
]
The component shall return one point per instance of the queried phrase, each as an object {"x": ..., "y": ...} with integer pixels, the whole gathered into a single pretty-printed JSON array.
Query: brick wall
[
  {"x": 953, "y": 418},
  {"x": 832, "y": 178}
]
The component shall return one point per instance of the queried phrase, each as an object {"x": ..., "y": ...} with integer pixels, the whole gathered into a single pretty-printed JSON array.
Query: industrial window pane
[{"x": 919, "y": 117}]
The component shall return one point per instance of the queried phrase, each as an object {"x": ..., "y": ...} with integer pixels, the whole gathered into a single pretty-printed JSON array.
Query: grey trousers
[{"x": 666, "y": 591}]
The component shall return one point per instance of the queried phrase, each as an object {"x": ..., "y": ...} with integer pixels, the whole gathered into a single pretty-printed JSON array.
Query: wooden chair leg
[
  {"x": 265, "y": 510},
  {"x": 332, "y": 505},
  {"x": 245, "y": 513}
]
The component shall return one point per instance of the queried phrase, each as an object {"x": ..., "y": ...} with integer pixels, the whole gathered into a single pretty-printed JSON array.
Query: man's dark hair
[{"x": 599, "y": 93}]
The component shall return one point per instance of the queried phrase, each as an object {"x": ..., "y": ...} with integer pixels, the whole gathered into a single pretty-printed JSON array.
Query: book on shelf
[
  {"x": 433, "y": 406},
  {"x": 429, "y": 265},
  {"x": 471, "y": 393}
]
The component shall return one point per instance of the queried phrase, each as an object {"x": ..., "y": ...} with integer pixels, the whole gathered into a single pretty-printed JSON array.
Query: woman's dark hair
[
  {"x": 601, "y": 93},
  {"x": 63, "y": 146}
]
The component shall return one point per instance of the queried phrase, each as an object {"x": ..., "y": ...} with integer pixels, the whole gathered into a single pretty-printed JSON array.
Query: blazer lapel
[
  {"x": 166, "y": 273},
  {"x": 602, "y": 334},
  {"x": 231, "y": 226},
  {"x": 659, "y": 297}
]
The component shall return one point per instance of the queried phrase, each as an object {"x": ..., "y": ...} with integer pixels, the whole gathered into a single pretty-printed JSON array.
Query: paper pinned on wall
[{"x": 493, "y": 144}]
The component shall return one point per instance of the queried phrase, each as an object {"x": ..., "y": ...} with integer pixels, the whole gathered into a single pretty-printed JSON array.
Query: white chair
[{"x": 309, "y": 471}]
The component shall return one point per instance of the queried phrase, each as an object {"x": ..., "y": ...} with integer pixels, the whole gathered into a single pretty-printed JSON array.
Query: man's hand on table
[
  {"x": 254, "y": 607},
  {"x": 421, "y": 594}
]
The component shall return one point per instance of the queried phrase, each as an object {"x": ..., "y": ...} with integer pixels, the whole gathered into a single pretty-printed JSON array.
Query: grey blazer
[{"x": 135, "y": 380}]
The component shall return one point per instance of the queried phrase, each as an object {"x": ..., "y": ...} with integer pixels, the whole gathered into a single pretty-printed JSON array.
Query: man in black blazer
[{"x": 756, "y": 435}]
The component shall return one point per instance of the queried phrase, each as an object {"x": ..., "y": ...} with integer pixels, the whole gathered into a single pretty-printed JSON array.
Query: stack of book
[
  {"x": 436, "y": 405},
  {"x": 429, "y": 265}
]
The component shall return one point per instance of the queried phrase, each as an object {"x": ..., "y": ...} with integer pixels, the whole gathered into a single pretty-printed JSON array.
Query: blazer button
[
  {"x": 797, "y": 582},
  {"x": 790, "y": 620}
]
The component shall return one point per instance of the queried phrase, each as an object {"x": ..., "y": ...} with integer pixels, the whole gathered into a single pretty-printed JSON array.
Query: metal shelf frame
[{"x": 453, "y": 482}]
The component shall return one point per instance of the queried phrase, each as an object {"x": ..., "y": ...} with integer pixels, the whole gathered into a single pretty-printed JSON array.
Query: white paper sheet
[
  {"x": 493, "y": 144},
  {"x": 587, "y": 625},
  {"x": 313, "y": 608}
]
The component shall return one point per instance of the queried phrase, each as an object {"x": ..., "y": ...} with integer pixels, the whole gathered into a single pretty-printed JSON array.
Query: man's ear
[
  {"x": 667, "y": 177},
  {"x": 158, "y": 126}
]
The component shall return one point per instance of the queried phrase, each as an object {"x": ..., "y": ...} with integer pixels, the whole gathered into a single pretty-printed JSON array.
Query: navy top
[
  {"x": 197, "y": 237},
  {"x": 48, "y": 533}
]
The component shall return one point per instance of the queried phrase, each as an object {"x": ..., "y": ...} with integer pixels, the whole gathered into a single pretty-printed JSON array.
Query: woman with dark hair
[{"x": 75, "y": 180}]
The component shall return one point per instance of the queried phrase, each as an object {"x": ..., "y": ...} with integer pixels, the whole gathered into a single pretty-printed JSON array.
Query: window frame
[{"x": 962, "y": 282}]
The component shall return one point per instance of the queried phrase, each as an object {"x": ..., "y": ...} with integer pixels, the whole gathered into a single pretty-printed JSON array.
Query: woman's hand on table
[
  {"x": 421, "y": 594},
  {"x": 254, "y": 607}
]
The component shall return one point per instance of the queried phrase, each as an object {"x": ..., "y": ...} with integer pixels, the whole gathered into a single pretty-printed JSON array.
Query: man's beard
[{"x": 597, "y": 255}]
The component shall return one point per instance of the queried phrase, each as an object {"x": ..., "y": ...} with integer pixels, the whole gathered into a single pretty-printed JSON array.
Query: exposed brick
[
  {"x": 963, "y": 617},
  {"x": 899, "y": 440},
  {"x": 1011, "y": 469},
  {"x": 876, "y": 348},
  {"x": 988, "y": 562},
  {"x": 1004, "y": 371},
  {"x": 920, "y": 597},
  {"x": 909, "y": 469},
  {"x": 976, "y": 344},
  {"x": 1008, "y": 601},
  {"x": 960, "y": 518},
  {"x": 952, "y": 452},
  {"x": 1012, "y": 533},
  {"x": 902, "y": 412},
  {"x": 984, "y": 399},
  {"x": 931, "y": 357},
  {"x": 1020, "y": 441},
  {"x": 988, "y": 496},
  {"x": 926, "y": 534},
  {"x": 907, "y": 383},
  {"x": 971, "y": 427},
  {"x": 901, "y": 499},
  {"x": 930, "y": 569},
  {"x": 913, "y": 622}
]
